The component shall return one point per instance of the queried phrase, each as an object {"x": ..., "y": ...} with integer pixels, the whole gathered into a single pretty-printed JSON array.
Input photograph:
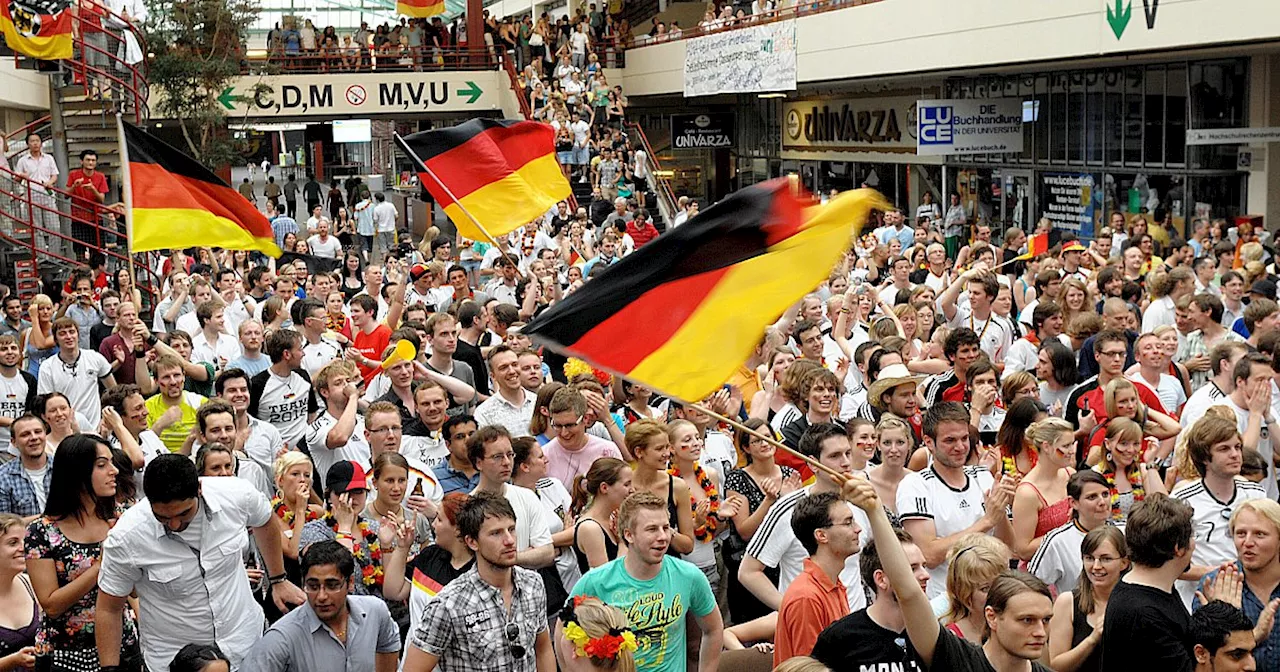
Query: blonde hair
[
  {"x": 9, "y": 521},
  {"x": 1266, "y": 508},
  {"x": 801, "y": 664},
  {"x": 288, "y": 461},
  {"x": 598, "y": 619},
  {"x": 1112, "y": 389},
  {"x": 1048, "y": 430},
  {"x": 973, "y": 560},
  {"x": 1251, "y": 251},
  {"x": 641, "y": 432}
]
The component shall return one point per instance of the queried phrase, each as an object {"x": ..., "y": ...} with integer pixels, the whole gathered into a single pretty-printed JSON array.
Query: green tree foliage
[{"x": 196, "y": 50}]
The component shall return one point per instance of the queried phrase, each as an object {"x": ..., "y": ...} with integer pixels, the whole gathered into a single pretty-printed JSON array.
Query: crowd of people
[{"x": 352, "y": 458}]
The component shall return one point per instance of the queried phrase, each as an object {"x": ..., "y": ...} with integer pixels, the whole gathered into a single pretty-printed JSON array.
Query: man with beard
[
  {"x": 656, "y": 591},
  {"x": 424, "y": 439},
  {"x": 495, "y": 601},
  {"x": 360, "y": 636},
  {"x": 17, "y": 392}
]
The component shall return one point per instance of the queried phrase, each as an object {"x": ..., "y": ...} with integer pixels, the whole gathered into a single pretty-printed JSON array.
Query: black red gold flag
[
  {"x": 37, "y": 28},
  {"x": 503, "y": 172},
  {"x": 682, "y": 313},
  {"x": 175, "y": 202}
]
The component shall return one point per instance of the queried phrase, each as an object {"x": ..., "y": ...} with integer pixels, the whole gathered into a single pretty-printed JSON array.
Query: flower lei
[
  {"x": 368, "y": 554},
  {"x": 1010, "y": 463},
  {"x": 285, "y": 514},
  {"x": 603, "y": 648},
  {"x": 574, "y": 366},
  {"x": 706, "y": 531},
  {"x": 1135, "y": 482}
]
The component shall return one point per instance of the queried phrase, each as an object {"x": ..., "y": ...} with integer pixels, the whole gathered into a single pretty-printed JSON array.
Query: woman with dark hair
[
  {"x": 1017, "y": 455},
  {"x": 636, "y": 406},
  {"x": 1056, "y": 369},
  {"x": 352, "y": 274},
  {"x": 64, "y": 552},
  {"x": 540, "y": 423},
  {"x": 596, "y": 498},
  {"x": 200, "y": 658}
]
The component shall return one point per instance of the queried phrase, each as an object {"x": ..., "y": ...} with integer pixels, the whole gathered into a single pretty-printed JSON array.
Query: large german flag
[
  {"x": 39, "y": 29},
  {"x": 419, "y": 8},
  {"x": 174, "y": 202},
  {"x": 504, "y": 173},
  {"x": 683, "y": 312}
]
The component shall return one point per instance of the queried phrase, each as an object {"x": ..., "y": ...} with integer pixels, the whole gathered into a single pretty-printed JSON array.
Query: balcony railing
[{"x": 397, "y": 59}]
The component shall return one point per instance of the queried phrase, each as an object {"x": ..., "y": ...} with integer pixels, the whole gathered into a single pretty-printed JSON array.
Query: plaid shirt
[
  {"x": 465, "y": 626},
  {"x": 1193, "y": 346},
  {"x": 17, "y": 496}
]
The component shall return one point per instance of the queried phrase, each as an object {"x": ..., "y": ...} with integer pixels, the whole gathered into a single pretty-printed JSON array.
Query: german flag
[
  {"x": 419, "y": 8},
  {"x": 504, "y": 173},
  {"x": 37, "y": 29},
  {"x": 683, "y": 312},
  {"x": 174, "y": 202},
  {"x": 1036, "y": 246}
]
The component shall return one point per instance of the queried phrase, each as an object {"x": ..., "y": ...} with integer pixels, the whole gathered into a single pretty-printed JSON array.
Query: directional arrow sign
[
  {"x": 227, "y": 99},
  {"x": 1119, "y": 18},
  {"x": 472, "y": 91}
]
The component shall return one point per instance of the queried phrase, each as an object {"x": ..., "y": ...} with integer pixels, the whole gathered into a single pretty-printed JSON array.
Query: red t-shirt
[
  {"x": 371, "y": 345},
  {"x": 80, "y": 206}
]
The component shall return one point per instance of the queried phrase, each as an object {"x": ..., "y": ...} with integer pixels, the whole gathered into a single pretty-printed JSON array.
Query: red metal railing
[
  {"x": 28, "y": 209},
  {"x": 408, "y": 59}
]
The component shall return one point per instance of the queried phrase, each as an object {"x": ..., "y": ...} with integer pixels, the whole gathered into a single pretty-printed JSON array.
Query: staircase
[{"x": 95, "y": 86}]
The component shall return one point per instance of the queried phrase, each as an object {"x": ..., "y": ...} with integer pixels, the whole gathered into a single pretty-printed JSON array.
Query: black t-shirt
[
  {"x": 437, "y": 564},
  {"x": 856, "y": 642},
  {"x": 1146, "y": 629},
  {"x": 953, "y": 654},
  {"x": 99, "y": 333},
  {"x": 471, "y": 355}
]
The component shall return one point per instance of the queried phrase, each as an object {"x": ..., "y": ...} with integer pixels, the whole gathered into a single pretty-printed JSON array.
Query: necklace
[{"x": 1135, "y": 483}]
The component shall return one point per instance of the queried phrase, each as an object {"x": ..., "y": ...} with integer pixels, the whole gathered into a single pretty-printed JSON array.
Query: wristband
[
  {"x": 151, "y": 340},
  {"x": 278, "y": 578}
]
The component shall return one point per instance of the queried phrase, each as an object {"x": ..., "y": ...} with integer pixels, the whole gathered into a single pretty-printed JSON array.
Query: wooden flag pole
[
  {"x": 449, "y": 192},
  {"x": 816, "y": 465},
  {"x": 126, "y": 195}
]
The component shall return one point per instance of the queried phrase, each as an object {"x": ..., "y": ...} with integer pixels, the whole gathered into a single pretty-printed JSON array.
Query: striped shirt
[{"x": 1057, "y": 562}]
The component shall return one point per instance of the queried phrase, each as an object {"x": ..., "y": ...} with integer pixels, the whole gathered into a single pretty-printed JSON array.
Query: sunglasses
[{"x": 513, "y": 641}]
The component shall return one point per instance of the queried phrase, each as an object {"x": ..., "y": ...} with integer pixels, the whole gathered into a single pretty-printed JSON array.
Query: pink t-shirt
[{"x": 564, "y": 465}]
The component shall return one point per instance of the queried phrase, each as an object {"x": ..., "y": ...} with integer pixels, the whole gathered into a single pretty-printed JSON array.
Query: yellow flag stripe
[
  {"x": 167, "y": 228},
  {"x": 513, "y": 201}
]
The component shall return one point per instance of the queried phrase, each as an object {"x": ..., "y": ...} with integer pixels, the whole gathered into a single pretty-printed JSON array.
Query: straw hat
[{"x": 890, "y": 377}]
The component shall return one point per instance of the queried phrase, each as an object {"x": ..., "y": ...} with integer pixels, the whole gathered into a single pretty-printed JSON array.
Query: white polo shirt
[
  {"x": 180, "y": 603},
  {"x": 226, "y": 347}
]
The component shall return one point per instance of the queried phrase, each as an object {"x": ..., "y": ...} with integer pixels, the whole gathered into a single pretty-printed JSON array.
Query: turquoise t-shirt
[{"x": 655, "y": 608}]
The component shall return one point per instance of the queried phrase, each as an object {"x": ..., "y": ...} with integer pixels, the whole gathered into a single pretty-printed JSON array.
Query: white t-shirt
[
  {"x": 329, "y": 248},
  {"x": 151, "y": 446},
  {"x": 995, "y": 333},
  {"x": 580, "y": 130},
  {"x": 1212, "y": 526},
  {"x": 36, "y": 476},
  {"x": 578, "y": 42},
  {"x": 78, "y": 381},
  {"x": 1169, "y": 390},
  {"x": 532, "y": 527},
  {"x": 775, "y": 545},
  {"x": 13, "y": 403},
  {"x": 1057, "y": 562},
  {"x": 719, "y": 453},
  {"x": 924, "y": 495},
  {"x": 316, "y": 356},
  {"x": 284, "y": 402},
  {"x": 555, "y": 502},
  {"x": 355, "y": 449}
]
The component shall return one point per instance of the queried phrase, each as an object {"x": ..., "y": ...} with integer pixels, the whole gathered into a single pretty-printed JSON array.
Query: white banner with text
[{"x": 757, "y": 59}]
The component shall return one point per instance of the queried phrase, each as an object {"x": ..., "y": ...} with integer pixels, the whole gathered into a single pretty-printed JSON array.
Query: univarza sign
[
  {"x": 968, "y": 126},
  {"x": 854, "y": 124},
  {"x": 701, "y": 131}
]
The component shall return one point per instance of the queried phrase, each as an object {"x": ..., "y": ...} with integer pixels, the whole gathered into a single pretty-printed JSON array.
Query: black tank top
[
  {"x": 13, "y": 641},
  {"x": 610, "y": 546},
  {"x": 1080, "y": 630}
]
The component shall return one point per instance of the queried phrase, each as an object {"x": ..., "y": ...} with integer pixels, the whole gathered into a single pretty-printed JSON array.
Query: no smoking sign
[{"x": 356, "y": 94}]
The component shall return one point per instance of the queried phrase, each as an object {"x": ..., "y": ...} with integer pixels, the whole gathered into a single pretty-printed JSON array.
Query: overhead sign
[
  {"x": 969, "y": 126},
  {"x": 701, "y": 131},
  {"x": 363, "y": 94},
  {"x": 755, "y": 59},
  {"x": 853, "y": 124},
  {"x": 1233, "y": 136}
]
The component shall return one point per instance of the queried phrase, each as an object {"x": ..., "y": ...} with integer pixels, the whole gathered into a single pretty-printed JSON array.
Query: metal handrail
[
  {"x": 372, "y": 60},
  {"x": 662, "y": 186},
  {"x": 625, "y": 42}
]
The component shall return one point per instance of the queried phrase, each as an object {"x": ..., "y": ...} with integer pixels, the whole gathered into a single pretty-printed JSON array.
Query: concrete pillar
[{"x": 1264, "y": 110}]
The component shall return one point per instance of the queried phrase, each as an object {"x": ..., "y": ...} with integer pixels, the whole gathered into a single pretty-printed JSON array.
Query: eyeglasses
[
  {"x": 571, "y": 425},
  {"x": 842, "y": 523},
  {"x": 391, "y": 429},
  {"x": 502, "y": 456},
  {"x": 1104, "y": 559},
  {"x": 513, "y": 640},
  {"x": 1113, "y": 353}
]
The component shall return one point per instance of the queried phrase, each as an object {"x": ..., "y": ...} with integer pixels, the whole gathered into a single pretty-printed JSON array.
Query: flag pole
[
  {"x": 449, "y": 192},
  {"x": 126, "y": 195},
  {"x": 816, "y": 465}
]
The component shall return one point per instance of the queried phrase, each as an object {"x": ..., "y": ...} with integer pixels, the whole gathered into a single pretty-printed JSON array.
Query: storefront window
[
  {"x": 1217, "y": 101},
  {"x": 1133, "y": 116}
]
